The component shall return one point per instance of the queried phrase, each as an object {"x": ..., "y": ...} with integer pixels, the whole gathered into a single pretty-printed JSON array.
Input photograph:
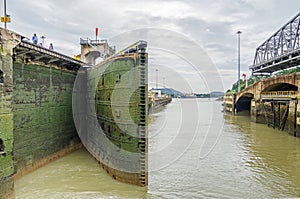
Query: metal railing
[
  {"x": 139, "y": 46},
  {"x": 40, "y": 49},
  {"x": 279, "y": 94},
  {"x": 88, "y": 41}
]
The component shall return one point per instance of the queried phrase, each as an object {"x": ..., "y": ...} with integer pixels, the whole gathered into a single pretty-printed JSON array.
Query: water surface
[{"x": 195, "y": 151}]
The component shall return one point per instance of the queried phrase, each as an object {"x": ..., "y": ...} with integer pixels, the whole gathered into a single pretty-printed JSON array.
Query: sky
[{"x": 192, "y": 44}]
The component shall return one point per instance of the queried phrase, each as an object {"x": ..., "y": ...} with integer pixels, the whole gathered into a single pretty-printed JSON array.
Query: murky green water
[{"x": 195, "y": 151}]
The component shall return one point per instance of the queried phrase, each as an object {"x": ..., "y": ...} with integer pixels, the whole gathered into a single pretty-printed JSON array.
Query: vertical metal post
[
  {"x": 295, "y": 117},
  {"x": 291, "y": 37},
  {"x": 5, "y": 13},
  {"x": 164, "y": 86},
  {"x": 234, "y": 105},
  {"x": 43, "y": 40},
  {"x": 274, "y": 114},
  {"x": 156, "y": 78},
  {"x": 279, "y": 116},
  {"x": 97, "y": 31},
  {"x": 239, "y": 55}
]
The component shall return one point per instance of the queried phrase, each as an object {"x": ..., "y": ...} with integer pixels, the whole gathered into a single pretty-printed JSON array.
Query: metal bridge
[{"x": 280, "y": 51}]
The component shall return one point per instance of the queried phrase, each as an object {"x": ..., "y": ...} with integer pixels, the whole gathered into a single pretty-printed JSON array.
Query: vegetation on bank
[
  {"x": 251, "y": 81},
  {"x": 254, "y": 79},
  {"x": 286, "y": 72}
]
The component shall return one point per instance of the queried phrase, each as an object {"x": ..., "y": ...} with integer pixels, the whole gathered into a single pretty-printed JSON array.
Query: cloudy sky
[{"x": 192, "y": 43}]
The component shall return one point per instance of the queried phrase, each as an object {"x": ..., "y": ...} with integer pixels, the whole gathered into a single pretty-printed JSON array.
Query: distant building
[{"x": 156, "y": 92}]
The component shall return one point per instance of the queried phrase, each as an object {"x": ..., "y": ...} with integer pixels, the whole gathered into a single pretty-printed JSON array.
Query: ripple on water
[{"x": 249, "y": 161}]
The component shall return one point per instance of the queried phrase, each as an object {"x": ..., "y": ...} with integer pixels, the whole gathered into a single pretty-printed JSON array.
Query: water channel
[{"x": 195, "y": 151}]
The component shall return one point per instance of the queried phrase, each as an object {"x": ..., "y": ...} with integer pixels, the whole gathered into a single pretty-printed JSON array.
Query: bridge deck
[{"x": 279, "y": 63}]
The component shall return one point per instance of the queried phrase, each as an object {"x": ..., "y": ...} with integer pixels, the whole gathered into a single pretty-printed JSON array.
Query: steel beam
[{"x": 278, "y": 49}]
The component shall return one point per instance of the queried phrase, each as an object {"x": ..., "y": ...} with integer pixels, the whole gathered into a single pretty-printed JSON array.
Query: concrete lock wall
[
  {"x": 6, "y": 123},
  {"x": 42, "y": 115},
  {"x": 36, "y": 123}
]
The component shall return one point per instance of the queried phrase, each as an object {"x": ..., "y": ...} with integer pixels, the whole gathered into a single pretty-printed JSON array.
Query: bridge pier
[
  {"x": 229, "y": 102},
  {"x": 256, "y": 112},
  {"x": 276, "y": 114},
  {"x": 272, "y": 101},
  {"x": 293, "y": 123},
  {"x": 282, "y": 114}
]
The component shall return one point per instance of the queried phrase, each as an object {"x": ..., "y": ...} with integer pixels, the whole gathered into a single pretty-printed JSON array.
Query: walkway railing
[
  {"x": 279, "y": 94},
  {"x": 39, "y": 53}
]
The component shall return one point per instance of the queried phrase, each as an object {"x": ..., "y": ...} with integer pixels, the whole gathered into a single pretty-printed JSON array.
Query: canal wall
[
  {"x": 42, "y": 115},
  {"x": 36, "y": 123},
  {"x": 6, "y": 120},
  {"x": 155, "y": 104}
]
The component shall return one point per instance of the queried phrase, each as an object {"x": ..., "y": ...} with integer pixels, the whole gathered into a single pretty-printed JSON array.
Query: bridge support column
[
  {"x": 253, "y": 112},
  {"x": 229, "y": 103},
  {"x": 256, "y": 111},
  {"x": 294, "y": 118}
]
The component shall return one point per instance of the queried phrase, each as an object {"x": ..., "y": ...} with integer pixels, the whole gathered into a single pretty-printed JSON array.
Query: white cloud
[{"x": 212, "y": 25}]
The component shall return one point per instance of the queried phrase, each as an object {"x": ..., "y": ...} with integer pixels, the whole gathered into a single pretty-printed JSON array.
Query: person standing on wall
[
  {"x": 35, "y": 39},
  {"x": 51, "y": 46}
]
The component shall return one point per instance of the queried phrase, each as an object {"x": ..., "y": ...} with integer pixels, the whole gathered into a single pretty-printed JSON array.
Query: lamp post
[
  {"x": 5, "y": 14},
  {"x": 43, "y": 40},
  {"x": 239, "y": 60},
  {"x": 156, "y": 78}
]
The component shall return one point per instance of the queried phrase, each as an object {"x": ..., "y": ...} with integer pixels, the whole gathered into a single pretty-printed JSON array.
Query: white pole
[
  {"x": 156, "y": 78},
  {"x": 239, "y": 60}
]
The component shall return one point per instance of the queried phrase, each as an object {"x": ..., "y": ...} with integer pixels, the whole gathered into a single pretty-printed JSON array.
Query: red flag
[{"x": 97, "y": 31}]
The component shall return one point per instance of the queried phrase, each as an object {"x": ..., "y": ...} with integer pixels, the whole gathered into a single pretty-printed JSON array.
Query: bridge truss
[{"x": 280, "y": 51}]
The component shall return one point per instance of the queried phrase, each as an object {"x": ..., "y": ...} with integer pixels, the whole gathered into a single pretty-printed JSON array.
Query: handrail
[
  {"x": 139, "y": 46},
  {"x": 41, "y": 49},
  {"x": 281, "y": 94}
]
